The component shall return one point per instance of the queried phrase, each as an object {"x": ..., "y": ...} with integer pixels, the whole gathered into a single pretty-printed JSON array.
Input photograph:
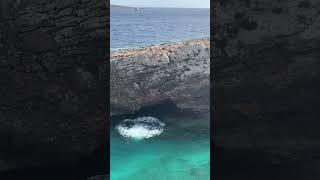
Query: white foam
[{"x": 140, "y": 128}]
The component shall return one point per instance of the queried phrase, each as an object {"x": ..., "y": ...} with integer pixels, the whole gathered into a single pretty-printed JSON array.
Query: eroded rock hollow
[{"x": 177, "y": 72}]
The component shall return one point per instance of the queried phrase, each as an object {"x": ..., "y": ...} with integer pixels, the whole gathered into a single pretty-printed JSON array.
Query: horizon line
[{"x": 159, "y": 7}]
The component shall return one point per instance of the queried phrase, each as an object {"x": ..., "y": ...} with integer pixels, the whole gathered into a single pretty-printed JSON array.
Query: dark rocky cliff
[
  {"x": 53, "y": 82},
  {"x": 266, "y": 84},
  {"x": 177, "y": 72}
]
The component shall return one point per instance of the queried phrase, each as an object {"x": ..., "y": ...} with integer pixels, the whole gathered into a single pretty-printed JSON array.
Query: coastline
[
  {"x": 176, "y": 72},
  {"x": 172, "y": 42},
  {"x": 161, "y": 47}
]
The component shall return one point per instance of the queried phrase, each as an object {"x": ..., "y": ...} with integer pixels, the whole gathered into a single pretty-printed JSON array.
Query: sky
[{"x": 163, "y": 3}]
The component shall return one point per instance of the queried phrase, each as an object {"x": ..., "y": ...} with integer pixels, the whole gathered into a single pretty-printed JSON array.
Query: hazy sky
[{"x": 164, "y": 3}]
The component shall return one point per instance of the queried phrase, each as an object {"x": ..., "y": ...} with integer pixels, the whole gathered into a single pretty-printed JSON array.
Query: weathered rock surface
[
  {"x": 52, "y": 85},
  {"x": 177, "y": 72},
  {"x": 267, "y": 80}
]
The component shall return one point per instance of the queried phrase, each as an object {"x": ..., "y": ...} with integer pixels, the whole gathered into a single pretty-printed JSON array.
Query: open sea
[
  {"x": 160, "y": 143},
  {"x": 130, "y": 28}
]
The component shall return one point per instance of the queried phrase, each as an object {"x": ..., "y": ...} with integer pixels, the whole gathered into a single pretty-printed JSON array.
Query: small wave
[{"x": 140, "y": 128}]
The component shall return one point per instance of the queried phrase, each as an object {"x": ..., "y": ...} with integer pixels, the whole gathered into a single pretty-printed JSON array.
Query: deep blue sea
[
  {"x": 148, "y": 26},
  {"x": 157, "y": 144}
]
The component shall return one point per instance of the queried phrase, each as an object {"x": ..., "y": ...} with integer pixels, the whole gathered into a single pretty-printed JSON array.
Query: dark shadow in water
[{"x": 161, "y": 110}]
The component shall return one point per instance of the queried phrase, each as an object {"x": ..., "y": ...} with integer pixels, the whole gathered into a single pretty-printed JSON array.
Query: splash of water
[{"x": 140, "y": 128}]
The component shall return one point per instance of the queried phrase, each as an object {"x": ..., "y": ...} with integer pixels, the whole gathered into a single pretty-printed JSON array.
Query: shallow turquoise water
[{"x": 182, "y": 151}]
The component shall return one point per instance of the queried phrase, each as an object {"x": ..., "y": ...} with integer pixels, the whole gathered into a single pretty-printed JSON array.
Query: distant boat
[{"x": 137, "y": 9}]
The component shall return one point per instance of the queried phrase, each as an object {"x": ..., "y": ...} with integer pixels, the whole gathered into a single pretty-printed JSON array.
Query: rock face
[
  {"x": 266, "y": 84},
  {"x": 176, "y": 72},
  {"x": 266, "y": 76},
  {"x": 52, "y": 84}
]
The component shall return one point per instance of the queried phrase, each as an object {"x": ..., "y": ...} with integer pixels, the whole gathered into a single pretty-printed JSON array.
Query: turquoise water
[{"x": 182, "y": 151}]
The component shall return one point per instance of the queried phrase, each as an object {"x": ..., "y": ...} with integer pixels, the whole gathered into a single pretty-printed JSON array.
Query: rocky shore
[{"x": 176, "y": 72}]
